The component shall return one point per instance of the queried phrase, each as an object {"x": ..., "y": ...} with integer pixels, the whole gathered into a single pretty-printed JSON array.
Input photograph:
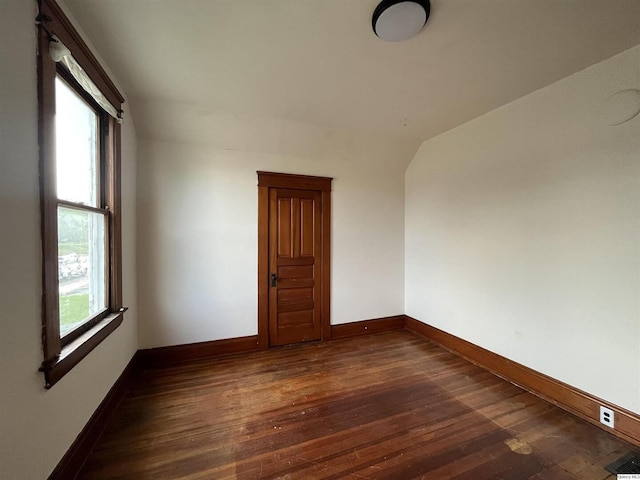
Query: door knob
[{"x": 274, "y": 279}]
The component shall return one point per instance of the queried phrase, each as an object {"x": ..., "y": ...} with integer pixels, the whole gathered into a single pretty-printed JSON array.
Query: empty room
[{"x": 314, "y": 239}]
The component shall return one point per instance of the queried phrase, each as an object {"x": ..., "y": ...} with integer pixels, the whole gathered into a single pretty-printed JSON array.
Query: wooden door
[
  {"x": 293, "y": 258},
  {"x": 294, "y": 266}
]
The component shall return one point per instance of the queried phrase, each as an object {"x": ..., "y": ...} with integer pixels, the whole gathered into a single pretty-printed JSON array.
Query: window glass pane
[
  {"x": 81, "y": 266},
  {"x": 76, "y": 147}
]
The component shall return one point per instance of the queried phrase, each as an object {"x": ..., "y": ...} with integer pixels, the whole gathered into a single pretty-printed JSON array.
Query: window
[
  {"x": 82, "y": 214},
  {"x": 80, "y": 196}
]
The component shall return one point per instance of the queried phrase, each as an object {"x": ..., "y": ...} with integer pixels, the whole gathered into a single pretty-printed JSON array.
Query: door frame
[{"x": 267, "y": 181}]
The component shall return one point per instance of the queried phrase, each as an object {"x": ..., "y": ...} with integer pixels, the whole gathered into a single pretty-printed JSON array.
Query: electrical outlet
[{"x": 606, "y": 416}]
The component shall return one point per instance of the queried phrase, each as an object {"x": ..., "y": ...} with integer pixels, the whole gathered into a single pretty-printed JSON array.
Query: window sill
[{"x": 75, "y": 351}]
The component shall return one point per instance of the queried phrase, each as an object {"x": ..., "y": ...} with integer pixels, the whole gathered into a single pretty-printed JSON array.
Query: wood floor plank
[{"x": 384, "y": 406}]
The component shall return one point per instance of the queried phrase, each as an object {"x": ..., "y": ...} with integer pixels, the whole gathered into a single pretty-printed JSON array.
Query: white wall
[
  {"x": 37, "y": 426},
  {"x": 523, "y": 233},
  {"x": 198, "y": 198}
]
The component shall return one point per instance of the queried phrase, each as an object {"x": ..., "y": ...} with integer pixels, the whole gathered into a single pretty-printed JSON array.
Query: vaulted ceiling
[{"x": 318, "y": 61}]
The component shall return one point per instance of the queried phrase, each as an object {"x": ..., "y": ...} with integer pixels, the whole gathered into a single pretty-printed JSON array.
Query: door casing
[{"x": 267, "y": 181}]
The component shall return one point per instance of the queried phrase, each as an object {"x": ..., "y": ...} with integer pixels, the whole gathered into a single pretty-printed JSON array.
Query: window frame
[
  {"x": 62, "y": 354},
  {"x": 103, "y": 207}
]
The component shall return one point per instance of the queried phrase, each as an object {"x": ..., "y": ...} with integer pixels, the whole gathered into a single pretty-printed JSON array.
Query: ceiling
[{"x": 318, "y": 62}]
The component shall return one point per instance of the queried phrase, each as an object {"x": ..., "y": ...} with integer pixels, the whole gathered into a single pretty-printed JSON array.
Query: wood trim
[
  {"x": 325, "y": 321},
  {"x": 571, "y": 399},
  {"x": 75, "y": 351},
  {"x": 48, "y": 201},
  {"x": 365, "y": 327},
  {"x": 114, "y": 197},
  {"x": 267, "y": 180},
  {"x": 288, "y": 180},
  {"x": 56, "y": 22},
  {"x": 60, "y": 355},
  {"x": 180, "y": 354},
  {"x": 263, "y": 266},
  {"x": 76, "y": 456}
]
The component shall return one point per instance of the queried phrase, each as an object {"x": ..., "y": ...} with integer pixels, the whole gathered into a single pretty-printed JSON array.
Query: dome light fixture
[{"x": 397, "y": 20}]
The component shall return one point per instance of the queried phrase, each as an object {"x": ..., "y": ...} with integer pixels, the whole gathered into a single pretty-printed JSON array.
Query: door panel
[
  {"x": 296, "y": 273},
  {"x": 294, "y": 258},
  {"x": 302, "y": 318},
  {"x": 306, "y": 222},
  {"x": 284, "y": 233},
  {"x": 294, "y": 295}
]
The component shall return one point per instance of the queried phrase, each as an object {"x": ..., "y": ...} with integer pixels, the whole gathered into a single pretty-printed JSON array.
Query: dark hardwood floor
[{"x": 389, "y": 405}]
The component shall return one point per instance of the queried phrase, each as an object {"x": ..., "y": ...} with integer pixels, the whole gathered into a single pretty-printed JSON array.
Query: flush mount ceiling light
[{"x": 397, "y": 20}]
